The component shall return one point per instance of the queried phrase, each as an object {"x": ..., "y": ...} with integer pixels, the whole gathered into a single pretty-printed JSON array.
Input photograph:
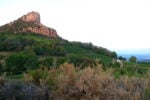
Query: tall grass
[{"x": 97, "y": 84}]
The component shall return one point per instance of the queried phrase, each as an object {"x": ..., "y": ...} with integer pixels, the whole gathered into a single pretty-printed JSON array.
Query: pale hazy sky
[{"x": 120, "y": 25}]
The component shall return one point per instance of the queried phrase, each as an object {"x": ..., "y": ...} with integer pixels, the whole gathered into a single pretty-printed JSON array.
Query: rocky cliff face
[
  {"x": 31, "y": 17},
  {"x": 29, "y": 23}
]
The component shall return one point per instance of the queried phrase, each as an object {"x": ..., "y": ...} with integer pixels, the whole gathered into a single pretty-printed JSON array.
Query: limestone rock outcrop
[
  {"x": 31, "y": 17},
  {"x": 29, "y": 23}
]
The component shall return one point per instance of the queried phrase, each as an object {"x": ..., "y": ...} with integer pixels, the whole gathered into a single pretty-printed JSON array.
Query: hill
[
  {"x": 29, "y": 23},
  {"x": 27, "y": 44},
  {"x": 35, "y": 64}
]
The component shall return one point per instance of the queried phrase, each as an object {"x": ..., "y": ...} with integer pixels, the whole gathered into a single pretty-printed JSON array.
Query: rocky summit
[
  {"x": 32, "y": 17},
  {"x": 29, "y": 23}
]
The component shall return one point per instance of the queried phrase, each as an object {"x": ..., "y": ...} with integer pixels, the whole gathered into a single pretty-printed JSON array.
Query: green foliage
[
  {"x": 114, "y": 55},
  {"x": 14, "y": 76},
  {"x": 74, "y": 50},
  {"x": 116, "y": 64},
  {"x": 51, "y": 62},
  {"x": 91, "y": 47},
  {"x": 122, "y": 58},
  {"x": 10, "y": 44},
  {"x": 81, "y": 61},
  {"x": 60, "y": 61},
  {"x": 48, "y": 62},
  {"x": 45, "y": 49},
  {"x": 31, "y": 62},
  {"x": 16, "y": 26},
  {"x": 130, "y": 71},
  {"x": 41, "y": 49},
  {"x": 57, "y": 48},
  {"x": 143, "y": 64},
  {"x": 15, "y": 62},
  {"x": 14, "y": 43},
  {"x": 132, "y": 59},
  {"x": 19, "y": 62},
  {"x": 37, "y": 75},
  {"x": 57, "y": 51}
]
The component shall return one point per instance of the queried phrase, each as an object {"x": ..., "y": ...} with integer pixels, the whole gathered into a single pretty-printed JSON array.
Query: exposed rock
[
  {"x": 41, "y": 30},
  {"x": 29, "y": 23},
  {"x": 31, "y": 17}
]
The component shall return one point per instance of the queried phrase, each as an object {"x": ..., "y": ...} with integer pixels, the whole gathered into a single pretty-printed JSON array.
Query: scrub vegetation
[{"x": 35, "y": 67}]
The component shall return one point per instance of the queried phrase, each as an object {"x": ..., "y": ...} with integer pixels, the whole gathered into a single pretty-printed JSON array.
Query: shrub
[
  {"x": 82, "y": 61},
  {"x": 130, "y": 71},
  {"x": 15, "y": 62},
  {"x": 42, "y": 77},
  {"x": 96, "y": 84},
  {"x": 57, "y": 51},
  {"x": 31, "y": 62},
  {"x": 60, "y": 61},
  {"x": 14, "y": 43},
  {"x": 116, "y": 64},
  {"x": 48, "y": 62},
  {"x": 91, "y": 83},
  {"x": 41, "y": 49},
  {"x": 122, "y": 58},
  {"x": 19, "y": 62},
  {"x": 132, "y": 59},
  {"x": 37, "y": 75},
  {"x": 16, "y": 90}
]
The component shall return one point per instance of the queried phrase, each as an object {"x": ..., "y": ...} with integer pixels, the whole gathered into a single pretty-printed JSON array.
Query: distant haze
[
  {"x": 119, "y": 25},
  {"x": 135, "y": 51}
]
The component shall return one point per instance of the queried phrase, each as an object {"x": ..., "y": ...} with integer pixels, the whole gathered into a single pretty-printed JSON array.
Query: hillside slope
[{"x": 25, "y": 38}]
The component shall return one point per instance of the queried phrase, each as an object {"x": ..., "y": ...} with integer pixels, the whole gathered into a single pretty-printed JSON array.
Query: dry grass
[
  {"x": 91, "y": 83},
  {"x": 96, "y": 84}
]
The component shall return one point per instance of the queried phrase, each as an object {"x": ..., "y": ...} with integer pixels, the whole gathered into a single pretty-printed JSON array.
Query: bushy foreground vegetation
[
  {"x": 19, "y": 90},
  {"x": 70, "y": 83}
]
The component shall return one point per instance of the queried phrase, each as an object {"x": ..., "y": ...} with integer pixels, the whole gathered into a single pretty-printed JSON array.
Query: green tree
[
  {"x": 31, "y": 62},
  {"x": 19, "y": 62},
  {"x": 114, "y": 54},
  {"x": 38, "y": 74},
  {"x": 57, "y": 51},
  {"x": 116, "y": 64},
  {"x": 41, "y": 49},
  {"x": 75, "y": 60},
  {"x": 122, "y": 58},
  {"x": 15, "y": 62},
  {"x": 48, "y": 62},
  {"x": 60, "y": 61},
  {"x": 133, "y": 59},
  {"x": 79, "y": 61}
]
